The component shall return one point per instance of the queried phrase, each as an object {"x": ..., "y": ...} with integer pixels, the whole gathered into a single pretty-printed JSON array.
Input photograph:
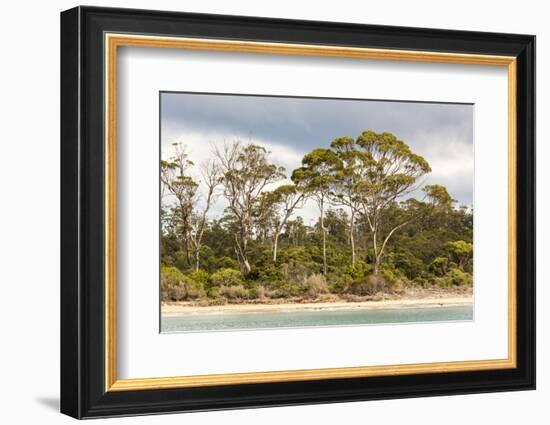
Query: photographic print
[{"x": 281, "y": 212}]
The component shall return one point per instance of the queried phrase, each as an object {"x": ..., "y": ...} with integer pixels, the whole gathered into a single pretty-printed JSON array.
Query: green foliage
[
  {"x": 388, "y": 275},
  {"x": 359, "y": 270},
  {"x": 431, "y": 240},
  {"x": 199, "y": 276},
  {"x": 459, "y": 247},
  {"x": 439, "y": 266},
  {"x": 233, "y": 292},
  {"x": 455, "y": 277},
  {"x": 439, "y": 196},
  {"x": 339, "y": 283},
  {"x": 175, "y": 286},
  {"x": 370, "y": 285},
  {"x": 227, "y": 277},
  {"x": 227, "y": 263},
  {"x": 461, "y": 251},
  {"x": 408, "y": 263}
]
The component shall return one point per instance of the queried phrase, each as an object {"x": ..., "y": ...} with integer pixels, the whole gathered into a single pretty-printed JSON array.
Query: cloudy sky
[{"x": 290, "y": 127}]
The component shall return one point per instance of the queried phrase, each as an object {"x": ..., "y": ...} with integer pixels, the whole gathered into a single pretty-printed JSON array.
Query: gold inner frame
[{"x": 113, "y": 41}]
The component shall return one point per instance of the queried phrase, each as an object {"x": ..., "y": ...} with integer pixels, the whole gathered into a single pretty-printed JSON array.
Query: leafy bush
[
  {"x": 359, "y": 270},
  {"x": 389, "y": 276},
  {"x": 270, "y": 274},
  {"x": 200, "y": 276},
  {"x": 233, "y": 292},
  {"x": 339, "y": 283},
  {"x": 227, "y": 263},
  {"x": 175, "y": 286},
  {"x": 455, "y": 277},
  {"x": 226, "y": 277},
  {"x": 408, "y": 264},
  {"x": 314, "y": 285},
  {"x": 286, "y": 290},
  {"x": 439, "y": 266},
  {"x": 369, "y": 286}
]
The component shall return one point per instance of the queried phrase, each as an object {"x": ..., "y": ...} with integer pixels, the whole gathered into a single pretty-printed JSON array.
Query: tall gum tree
[
  {"x": 389, "y": 170},
  {"x": 245, "y": 173},
  {"x": 281, "y": 203},
  {"x": 190, "y": 218},
  {"x": 211, "y": 180},
  {"x": 183, "y": 189},
  {"x": 347, "y": 175},
  {"x": 316, "y": 179}
]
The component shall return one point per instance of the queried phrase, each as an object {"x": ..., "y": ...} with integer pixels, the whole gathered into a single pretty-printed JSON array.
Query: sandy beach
[{"x": 176, "y": 309}]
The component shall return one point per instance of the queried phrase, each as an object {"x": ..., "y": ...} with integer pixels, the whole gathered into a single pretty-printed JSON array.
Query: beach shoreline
[{"x": 181, "y": 309}]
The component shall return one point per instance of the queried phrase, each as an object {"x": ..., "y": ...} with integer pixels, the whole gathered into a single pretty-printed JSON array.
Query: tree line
[{"x": 367, "y": 235}]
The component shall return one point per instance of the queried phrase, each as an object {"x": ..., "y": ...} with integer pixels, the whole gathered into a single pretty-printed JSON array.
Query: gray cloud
[{"x": 442, "y": 133}]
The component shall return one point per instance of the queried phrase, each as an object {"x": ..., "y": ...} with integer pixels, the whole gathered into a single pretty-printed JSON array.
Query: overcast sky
[{"x": 291, "y": 127}]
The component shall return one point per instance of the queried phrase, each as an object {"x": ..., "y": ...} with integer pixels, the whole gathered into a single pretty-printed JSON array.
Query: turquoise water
[{"x": 357, "y": 316}]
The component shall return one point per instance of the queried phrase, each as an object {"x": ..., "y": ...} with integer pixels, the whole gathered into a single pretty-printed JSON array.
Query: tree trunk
[
  {"x": 376, "y": 264},
  {"x": 323, "y": 230},
  {"x": 275, "y": 245},
  {"x": 197, "y": 258},
  {"x": 187, "y": 250},
  {"x": 240, "y": 249},
  {"x": 376, "y": 256},
  {"x": 352, "y": 237}
]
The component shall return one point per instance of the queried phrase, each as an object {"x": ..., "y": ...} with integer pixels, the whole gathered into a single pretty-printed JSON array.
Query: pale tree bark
[
  {"x": 211, "y": 178},
  {"x": 245, "y": 172},
  {"x": 324, "y": 232},
  {"x": 352, "y": 235},
  {"x": 177, "y": 183},
  {"x": 288, "y": 203}
]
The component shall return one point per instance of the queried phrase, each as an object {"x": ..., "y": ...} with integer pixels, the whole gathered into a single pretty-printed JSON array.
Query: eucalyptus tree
[
  {"x": 348, "y": 172},
  {"x": 177, "y": 183},
  {"x": 211, "y": 180},
  {"x": 189, "y": 218},
  {"x": 391, "y": 171},
  {"x": 283, "y": 202},
  {"x": 316, "y": 178},
  {"x": 245, "y": 172}
]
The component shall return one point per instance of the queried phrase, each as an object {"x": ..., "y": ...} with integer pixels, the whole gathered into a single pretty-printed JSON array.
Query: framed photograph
[{"x": 261, "y": 212}]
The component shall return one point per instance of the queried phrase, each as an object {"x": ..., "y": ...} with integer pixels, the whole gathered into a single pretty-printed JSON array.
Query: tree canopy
[{"x": 370, "y": 235}]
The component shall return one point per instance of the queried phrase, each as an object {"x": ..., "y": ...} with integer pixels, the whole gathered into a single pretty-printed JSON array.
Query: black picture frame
[{"x": 83, "y": 392}]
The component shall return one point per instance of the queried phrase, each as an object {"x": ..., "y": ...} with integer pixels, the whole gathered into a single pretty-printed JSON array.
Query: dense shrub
[
  {"x": 286, "y": 290},
  {"x": 369, "y": 286},
  {"x": 314, "y": 285},
  {"x": 455, "y": 277},
  {"x": 339, "y": 283},
  {"x": 439, "y": 266},
  {"x": 226, "y": 277},
  {"x": 233, "y": 292},
  {"x": 175, "y": 286},
  {"x": 359, "y": 270},
  {"x": 389, "y": 276},
  {"x": 270, "y": 274},
  {"x": 200, "y": 276},
  {"x": 295, "y": 273},
  {"x": 408, "y": 264},
  {"x": 227, "y": 263},
  {"x": 257, "y": 292}
]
